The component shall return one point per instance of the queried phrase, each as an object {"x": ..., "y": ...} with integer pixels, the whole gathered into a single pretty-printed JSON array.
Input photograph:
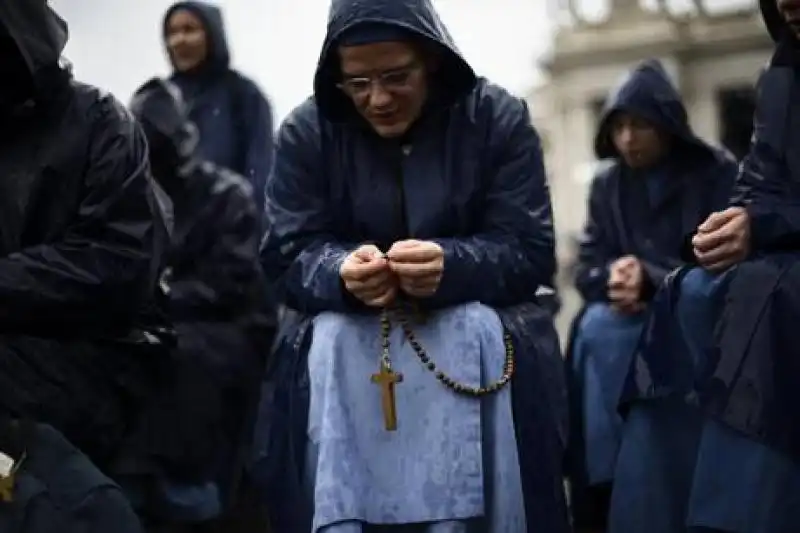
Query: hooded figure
[
  {"x": 660, "y": 182},
  {"x": 214, "y": 281},
  {"x": 233, "y": 117},
  {"x": 401, "y": 162},
  {"x": 81, "y": 241},
  {"x": 712, "y": 427}
]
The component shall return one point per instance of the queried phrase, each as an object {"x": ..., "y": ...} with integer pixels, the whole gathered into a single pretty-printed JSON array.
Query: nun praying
[{"x": 417, "y": 382}]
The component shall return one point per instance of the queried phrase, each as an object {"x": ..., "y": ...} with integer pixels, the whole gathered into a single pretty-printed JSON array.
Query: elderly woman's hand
[{"x": 418, "y": 265}]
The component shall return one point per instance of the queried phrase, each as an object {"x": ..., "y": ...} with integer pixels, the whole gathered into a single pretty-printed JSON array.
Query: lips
[{"x": 385, "y": 119}]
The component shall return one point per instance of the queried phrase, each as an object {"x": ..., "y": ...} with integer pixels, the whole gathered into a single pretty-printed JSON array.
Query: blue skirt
[
  {"x": 601, "y": 356},
  {"x": 679, "y": 471},
  {"x": 451, "y": 464}
]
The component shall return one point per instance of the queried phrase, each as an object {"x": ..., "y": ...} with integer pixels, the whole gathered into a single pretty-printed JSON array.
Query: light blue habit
[{"x": 450, "y": 467}]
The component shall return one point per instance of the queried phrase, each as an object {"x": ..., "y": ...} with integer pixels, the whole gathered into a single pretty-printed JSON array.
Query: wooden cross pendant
[{"x": 386, "y": 380}]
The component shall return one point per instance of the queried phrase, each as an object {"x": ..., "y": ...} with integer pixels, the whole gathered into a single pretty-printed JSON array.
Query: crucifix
[{"x": 386, "y": 380}]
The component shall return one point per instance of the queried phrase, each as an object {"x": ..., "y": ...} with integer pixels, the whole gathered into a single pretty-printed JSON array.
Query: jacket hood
[
  {"x": 647, "y": 92},
  {"x": 210, "y": 16},
  {"x": 159, "y": 107},
  {"x": 417, "y": 17},
  {"x": 773, "y": 20},
  {"x": 39, "y": 33}
]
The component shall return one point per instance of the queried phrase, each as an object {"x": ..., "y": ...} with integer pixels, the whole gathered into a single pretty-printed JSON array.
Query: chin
[{"x": 391, "y": 131}]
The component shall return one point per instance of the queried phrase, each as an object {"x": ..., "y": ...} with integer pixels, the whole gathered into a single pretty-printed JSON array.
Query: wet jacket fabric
[
  {"x": 58, "y": 489},
  {"x": 233, "y": 116},
  {"x": 752, "y": 380},
  {"x": 81, "y": 240},
  {"x": 471, "y": 178},
  {"x": 199, "y": 425},
  {"x": 625, "y": 218},
  {"x": 621, "y": 218}
]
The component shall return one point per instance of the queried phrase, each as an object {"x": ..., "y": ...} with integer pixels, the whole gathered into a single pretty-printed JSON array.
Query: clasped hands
[
  {"x": 411, "y": 266},
  {"x": 723, "y": 240},
  {"x": 625, "y": 281}
]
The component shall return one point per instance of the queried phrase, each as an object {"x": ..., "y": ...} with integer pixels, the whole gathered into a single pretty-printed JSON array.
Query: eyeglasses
[{"x": 395, "y": 80}]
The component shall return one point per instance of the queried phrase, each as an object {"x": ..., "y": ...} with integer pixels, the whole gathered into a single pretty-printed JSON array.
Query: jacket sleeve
[
  {"x": 260, "y": 150},
  {"x": 513, "y": 251},
  {"x": 764, "y": 184},
  {"x": 221, "y": 276},
  {"x": 102, "y": 267},
  {"x": 598, "y": 248},
  {"x": 301, "y": 253}
]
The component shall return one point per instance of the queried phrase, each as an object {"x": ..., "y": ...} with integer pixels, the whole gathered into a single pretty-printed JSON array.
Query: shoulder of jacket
[
  {"x": 605, "y": 170},
  {"x": 245, "y": 84},
  {"x": 97, "y": 104},
  {"x": 497, "y": 102},
  {"x": 304, "y": 120}
]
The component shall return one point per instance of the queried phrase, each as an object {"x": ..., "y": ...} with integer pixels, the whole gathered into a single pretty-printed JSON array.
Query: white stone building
[{"x": 714, "y": 59}]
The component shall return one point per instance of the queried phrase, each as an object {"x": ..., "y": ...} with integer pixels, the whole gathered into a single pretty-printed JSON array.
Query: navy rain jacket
[
  {"x": 232, "y": 114},
  {"x": 472, "y": 179}
]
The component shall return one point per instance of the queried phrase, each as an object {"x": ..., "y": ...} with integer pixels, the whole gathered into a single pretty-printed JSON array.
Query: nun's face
[
  {"x": 790, "y": 10},
  {"x": 639, "y": 143},
  {"x": 387, "y": 82},
  {"x": 186, "y": 39}
]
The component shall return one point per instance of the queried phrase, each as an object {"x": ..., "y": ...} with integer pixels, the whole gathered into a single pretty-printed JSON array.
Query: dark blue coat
[
  {"x": 58, "y": 489},
  {"x": 753, "y": 377},
  {"x": 81, "y": 243},
  {"x": 199, "y": 424},
  {"x": 621, "y": 220},
  {"x": 233, "y": 116},
  {"x": 472, "y": 179}
]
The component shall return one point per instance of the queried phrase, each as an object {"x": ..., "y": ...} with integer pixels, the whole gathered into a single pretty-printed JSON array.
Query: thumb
[
  {"x": 713, "y": 222},
  {"x": 367, "y": 252}
]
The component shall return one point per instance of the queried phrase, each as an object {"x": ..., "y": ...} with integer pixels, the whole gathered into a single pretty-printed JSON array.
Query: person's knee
[
  {"x": 330, "y": 324},
  {"x": 598, "y": 319},
  {"x": 698, "y": 284}
]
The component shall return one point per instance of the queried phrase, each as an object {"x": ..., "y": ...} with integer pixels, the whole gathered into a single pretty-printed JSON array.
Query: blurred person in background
[
  {"x": 659, "y": 181},
  {"x": 198, "y": 431},
  {"x": 410, "y": 227},
  {"x": 712, "y": 439},
  {"x": 83, "y": 340},
  {"x": 81, "y": 243},
  {"x": 233, "y": 116}
]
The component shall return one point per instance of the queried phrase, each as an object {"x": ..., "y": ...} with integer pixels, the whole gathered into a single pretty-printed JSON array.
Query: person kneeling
[
  {"x": 712, "y": 429},
  {"x": 660, "y": 182},
  {"x": 410, "y": 228}
]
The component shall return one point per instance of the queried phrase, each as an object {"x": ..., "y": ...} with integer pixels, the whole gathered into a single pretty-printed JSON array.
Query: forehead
[
  {"x": 375, "y": 57},
  {"x": 184, "y": 18},
  {"x": 621, "y": 118}
]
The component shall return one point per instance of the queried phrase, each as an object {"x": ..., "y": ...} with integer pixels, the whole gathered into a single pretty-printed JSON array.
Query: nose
[
  {"x": 176, "y": 38},
  {"x": 626, "y": 135},
  {"x": 378, "y": 96}
]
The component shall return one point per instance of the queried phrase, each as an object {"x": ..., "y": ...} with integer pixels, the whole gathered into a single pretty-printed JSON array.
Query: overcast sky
[{"x": 116, "y": 44}]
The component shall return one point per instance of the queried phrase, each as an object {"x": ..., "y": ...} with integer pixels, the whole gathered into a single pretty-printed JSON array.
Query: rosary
[{"x": 387, "y": 378}]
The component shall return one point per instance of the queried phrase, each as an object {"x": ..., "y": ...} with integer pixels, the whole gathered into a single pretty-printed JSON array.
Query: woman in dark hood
[
  {"x": 232, "y": 115},
  {"x": 713, "y": 431},
  {"x": 661, "y": 181},
  {"x": 409, "y": 191},
  {"x": 81, "y": 241}
]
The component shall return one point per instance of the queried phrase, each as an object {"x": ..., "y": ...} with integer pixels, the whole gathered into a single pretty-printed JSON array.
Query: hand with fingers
[
  {"x": 625, "y": 280},
  {"x": 367, "y": 276},
  {"x": 723, "y": 239},
  {"x": 418, "y": 265}
]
